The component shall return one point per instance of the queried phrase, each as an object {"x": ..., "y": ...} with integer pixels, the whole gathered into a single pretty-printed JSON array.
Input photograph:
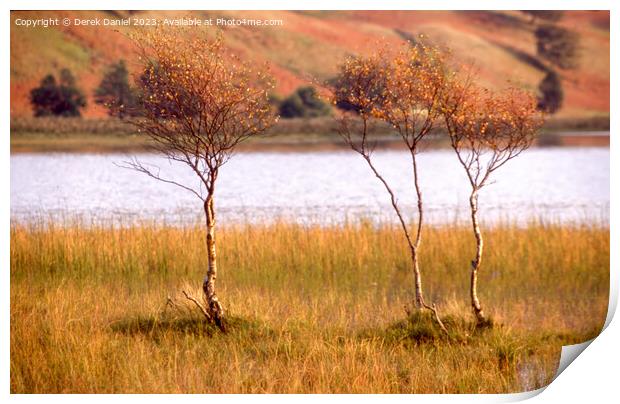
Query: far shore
[
  {"x": 115, "y": 143},
  {"x": 90, "y": 135}
]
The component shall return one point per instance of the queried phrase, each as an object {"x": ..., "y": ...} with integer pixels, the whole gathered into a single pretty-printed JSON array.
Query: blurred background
[
  {"x": 63, "y": 76},
  {"x": 525, "y": 47}
]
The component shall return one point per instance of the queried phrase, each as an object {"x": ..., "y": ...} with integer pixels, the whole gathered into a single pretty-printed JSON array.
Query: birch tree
[
  {"x": 486, "y": 131},
  {"x": 404, "y": 90},
  {"x": 199, "y": 103}
]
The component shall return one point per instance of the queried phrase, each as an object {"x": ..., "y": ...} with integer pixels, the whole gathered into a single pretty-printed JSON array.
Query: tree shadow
[
  {"x": 420, "y": 327},
  {"x": 157, "y": 327},
  {"x": 152, "y": 326},
  {"x": 523, "y": 56},
  {"x": 497, "y": 19}
]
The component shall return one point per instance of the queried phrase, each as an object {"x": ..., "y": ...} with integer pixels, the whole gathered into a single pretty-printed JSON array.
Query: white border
[{"x": 593, "y": 376}]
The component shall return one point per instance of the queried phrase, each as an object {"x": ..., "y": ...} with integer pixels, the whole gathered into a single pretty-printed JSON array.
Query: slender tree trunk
[
  {"x": 420, "y": 303},
  {"x": 419, "y": 296},
  {"x": 475, "y": 264},
  {"x": 215, "y": 308}
]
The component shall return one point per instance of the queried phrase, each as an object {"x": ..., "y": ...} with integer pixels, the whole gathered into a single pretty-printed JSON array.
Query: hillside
[{"x": 311, "y": 44}]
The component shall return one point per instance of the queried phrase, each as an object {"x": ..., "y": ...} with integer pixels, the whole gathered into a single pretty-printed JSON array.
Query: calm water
[{"x": 556, "y": 184}]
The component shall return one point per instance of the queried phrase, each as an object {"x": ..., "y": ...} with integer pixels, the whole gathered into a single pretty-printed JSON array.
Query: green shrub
[
  {"x": 557, "y": 45},
  {"x": 551, "y": 93},
  {"x": 304, "y": 103},
  {"x": 57, "y": 98},
  {"x": 115, "y": 93}
]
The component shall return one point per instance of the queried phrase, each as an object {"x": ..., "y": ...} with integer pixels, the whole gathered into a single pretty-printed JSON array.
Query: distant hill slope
[{"x": 312, "y": 44}]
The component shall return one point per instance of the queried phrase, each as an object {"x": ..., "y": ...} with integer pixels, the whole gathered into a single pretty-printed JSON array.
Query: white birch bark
[
  {"x": 416, "y": 245},
  {"x": 476, "y": 263},
  {"x": 215, "y": 308}
]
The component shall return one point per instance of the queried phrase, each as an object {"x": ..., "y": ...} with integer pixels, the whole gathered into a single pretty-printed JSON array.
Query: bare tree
[
  {"x": 405, "y": 90},
  {"x": 199, "y": 103},
  {"x": 486, "y": 131}
]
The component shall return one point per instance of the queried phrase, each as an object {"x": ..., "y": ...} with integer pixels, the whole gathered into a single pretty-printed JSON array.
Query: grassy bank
[
  {"x": 112, "y": 135},
  {"x": 311, "y": 309}
]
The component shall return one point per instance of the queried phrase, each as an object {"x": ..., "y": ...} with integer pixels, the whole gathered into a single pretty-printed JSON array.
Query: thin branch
[
  {"x": 137, "y": 166},
  {"x": 197, "y": 303},
  {"x": 170, "y": 302},
  {"x": 433, "y": 309}
]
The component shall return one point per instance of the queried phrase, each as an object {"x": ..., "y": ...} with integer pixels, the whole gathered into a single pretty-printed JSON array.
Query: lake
[{"x": 555, "y": 184}]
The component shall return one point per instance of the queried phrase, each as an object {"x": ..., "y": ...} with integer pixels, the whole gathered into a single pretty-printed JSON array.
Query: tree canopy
[
  {"x": 304, "y": 103},
  {"x": 57, "y": 97},
  {"x": 115, "y": 92},
  {"x": 558, "y": 45}
]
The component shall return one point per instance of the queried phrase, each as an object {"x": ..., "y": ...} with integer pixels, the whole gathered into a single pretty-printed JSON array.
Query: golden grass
[{"x": 311, "y": 309}]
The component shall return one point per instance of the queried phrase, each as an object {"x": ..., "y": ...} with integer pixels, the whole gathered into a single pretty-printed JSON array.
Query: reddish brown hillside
[{"x": 311, "y": 44}]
